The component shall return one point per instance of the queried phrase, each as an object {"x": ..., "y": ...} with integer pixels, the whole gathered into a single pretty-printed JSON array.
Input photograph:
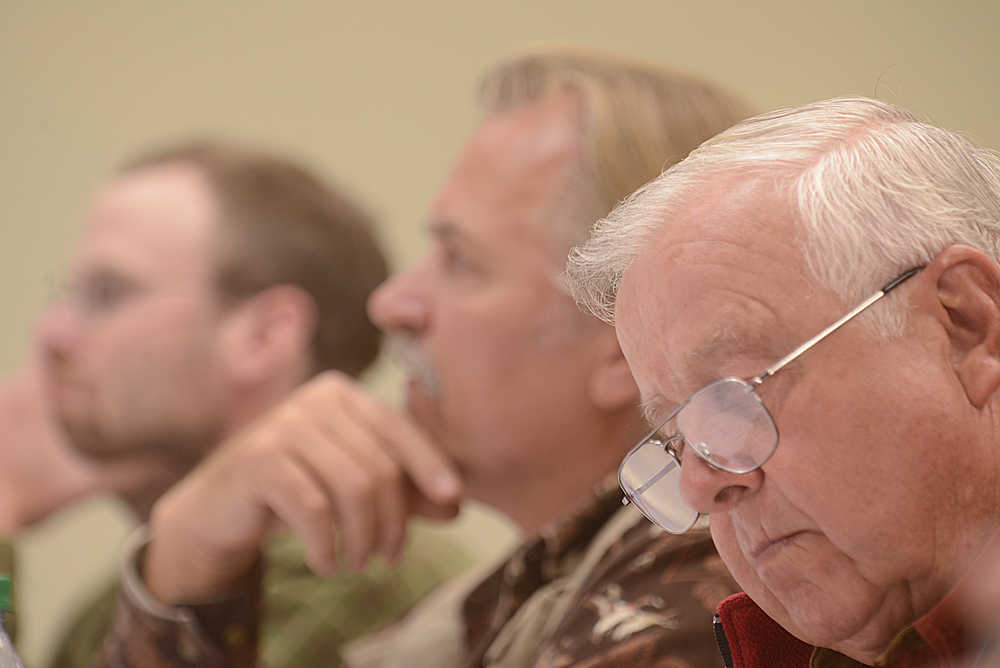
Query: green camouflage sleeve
[
  {"x": 307, "y": 620},
  {"x": 149, "y": 634}
]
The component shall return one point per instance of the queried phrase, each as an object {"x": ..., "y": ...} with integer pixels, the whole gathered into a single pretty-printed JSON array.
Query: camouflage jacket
[
  {"x": 601, "y": 588},
  {"x": 308, "y": 618}
]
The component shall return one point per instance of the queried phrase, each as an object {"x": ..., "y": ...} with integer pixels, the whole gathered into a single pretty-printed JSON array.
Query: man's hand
[
  {"x": 39, "y": 471},
  {"x": 330, "y": 463}
]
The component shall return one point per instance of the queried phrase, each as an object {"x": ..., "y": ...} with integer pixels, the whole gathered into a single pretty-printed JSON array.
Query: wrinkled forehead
[
  {"x": 681, "y": 335},
  {"x": 509, "y": 184},
  {"x": 709, "y": 295}
]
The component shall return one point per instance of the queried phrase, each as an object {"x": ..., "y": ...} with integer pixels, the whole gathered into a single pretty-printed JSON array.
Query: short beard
[{"x": 180, "y": 449}]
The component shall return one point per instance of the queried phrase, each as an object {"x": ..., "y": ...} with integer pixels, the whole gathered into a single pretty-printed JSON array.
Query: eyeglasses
[
  {"x": 99, "y": 293},
  {"x": 725, "y": 423}
]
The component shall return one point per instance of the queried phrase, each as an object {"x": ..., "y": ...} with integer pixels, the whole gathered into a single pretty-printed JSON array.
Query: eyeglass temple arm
[{"x": 792, "y": 356}]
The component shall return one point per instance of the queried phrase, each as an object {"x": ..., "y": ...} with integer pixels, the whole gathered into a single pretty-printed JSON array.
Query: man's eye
[
  {"x": 104, "y": 293},
  {"x": 456, "y": 261}
]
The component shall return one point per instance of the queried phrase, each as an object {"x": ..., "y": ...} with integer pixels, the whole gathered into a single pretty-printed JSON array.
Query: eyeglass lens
[
  {"x": 651, "y": 478},
  {"x": 725, "y": 423}
]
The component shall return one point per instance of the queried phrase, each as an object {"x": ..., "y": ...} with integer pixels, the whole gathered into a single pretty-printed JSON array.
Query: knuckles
[
  {"x": 292, "y": 432},
  {"x": 316, "y": 506}
]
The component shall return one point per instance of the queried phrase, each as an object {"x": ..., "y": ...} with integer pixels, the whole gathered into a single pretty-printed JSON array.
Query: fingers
[
  {"x": 389, "y": 497},
  {"x": 338, "y": 468},
  {"x": 435, "y": 511},
  {"x": 422, "y": 460},
  {"x": 302, "y": 504},
  {"x": 41, "y": 471},
  {"x": 372, "y": 464},
  {"x": 373, "y": 458},
  {"x": 350, "y": 487}
]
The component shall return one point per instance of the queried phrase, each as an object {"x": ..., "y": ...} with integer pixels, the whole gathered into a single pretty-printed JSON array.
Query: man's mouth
[{"x": 768, "y": 549}]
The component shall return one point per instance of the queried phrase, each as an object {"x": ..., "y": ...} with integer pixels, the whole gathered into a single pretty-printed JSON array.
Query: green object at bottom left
[{"x": 8, "y": 655}]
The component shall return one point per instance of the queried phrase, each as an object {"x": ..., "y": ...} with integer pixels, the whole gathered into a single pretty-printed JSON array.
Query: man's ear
[
  {"x": 269, "y": 334},
  {"x": 611, "y": 386},
  {"x": 967, "y": 294}
]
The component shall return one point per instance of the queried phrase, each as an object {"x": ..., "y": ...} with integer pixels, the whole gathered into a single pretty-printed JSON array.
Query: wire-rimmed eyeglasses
[{"x": 725, "y": 423}]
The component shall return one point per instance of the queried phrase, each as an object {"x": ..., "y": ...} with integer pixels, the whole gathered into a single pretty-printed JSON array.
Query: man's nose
[
  {"x": 57, "y": 331},
  {"x": 711, "y": 490},
  {"x": 400, "y": 303}
]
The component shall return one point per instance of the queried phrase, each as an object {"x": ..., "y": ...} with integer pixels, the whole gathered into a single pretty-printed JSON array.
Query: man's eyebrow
[
  {"x": 443, "y": 229},
  {"x": 651, "y": 407},
  {"x": 704, "y": 361},
  {"x": 738, "y": 335},
  {"x": 729, "y": 341},
  {"x": 450, "y": 232}
]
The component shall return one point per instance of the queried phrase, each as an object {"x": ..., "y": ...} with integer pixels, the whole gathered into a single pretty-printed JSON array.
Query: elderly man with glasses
[{"x": 851, "y": 486}]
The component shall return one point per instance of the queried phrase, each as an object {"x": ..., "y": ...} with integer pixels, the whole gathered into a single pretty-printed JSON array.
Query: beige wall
[{"x": 379, "y": 97}]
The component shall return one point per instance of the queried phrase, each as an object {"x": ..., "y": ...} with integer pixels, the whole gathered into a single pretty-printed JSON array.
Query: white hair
[{"x": 874, "y": 191}]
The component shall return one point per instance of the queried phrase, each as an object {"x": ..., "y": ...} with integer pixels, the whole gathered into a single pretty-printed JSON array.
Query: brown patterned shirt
[{"x": 601, "y": 588}]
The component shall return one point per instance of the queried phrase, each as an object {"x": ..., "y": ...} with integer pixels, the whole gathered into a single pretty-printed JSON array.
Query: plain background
[{"x": 378, "y": 96}]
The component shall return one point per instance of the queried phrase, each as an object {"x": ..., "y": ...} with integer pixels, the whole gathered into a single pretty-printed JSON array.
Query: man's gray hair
[
  {"x": 875, "y": 191},
  {"x": 636, "y": 119}
]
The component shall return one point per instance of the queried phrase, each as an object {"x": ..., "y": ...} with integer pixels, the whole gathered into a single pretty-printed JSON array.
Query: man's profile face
[
  {"x": 128, "y": 353},
  {"x": 853, "y": 527},
  {"x": 482, "y": 306}
]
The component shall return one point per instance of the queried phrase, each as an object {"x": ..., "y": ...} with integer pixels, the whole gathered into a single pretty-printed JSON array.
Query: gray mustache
[{"x": 404, "y": 351}]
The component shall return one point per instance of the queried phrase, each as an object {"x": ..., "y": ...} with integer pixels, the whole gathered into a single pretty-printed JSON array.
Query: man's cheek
[{"x": 725, "y": 543}]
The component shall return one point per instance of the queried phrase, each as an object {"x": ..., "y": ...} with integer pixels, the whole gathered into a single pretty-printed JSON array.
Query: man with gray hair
[
  {"x": 514, "y": 399},
  {"x": 843, "y": 440}
]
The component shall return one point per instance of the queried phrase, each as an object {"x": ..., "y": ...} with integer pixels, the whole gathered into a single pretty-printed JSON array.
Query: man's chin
[
  {"x": 86, "y": 440},
  {"x": 425, "y": 409},
  {"x": 819, "y": 613}
]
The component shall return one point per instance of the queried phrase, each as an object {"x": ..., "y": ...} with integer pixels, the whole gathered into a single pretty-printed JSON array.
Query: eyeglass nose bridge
[{"x": 669, "y": 445}]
